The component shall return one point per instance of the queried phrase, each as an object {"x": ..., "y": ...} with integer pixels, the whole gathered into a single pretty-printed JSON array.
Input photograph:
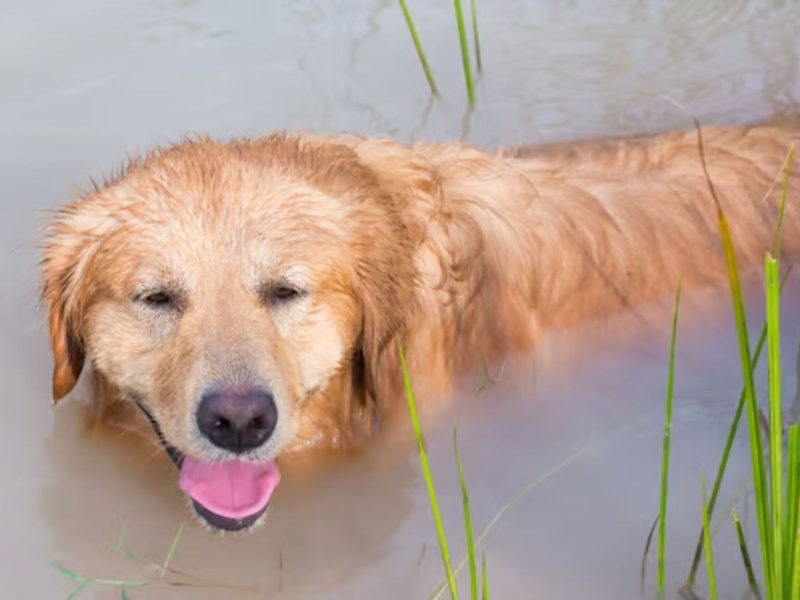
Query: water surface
[{"x": 86, "y": 83}]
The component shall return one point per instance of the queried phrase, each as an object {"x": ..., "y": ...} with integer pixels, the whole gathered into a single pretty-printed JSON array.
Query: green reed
[
  {"x": 465, "y": 60},
  {"x": 418, "y": 46},
  {"x": 662, "y": 512}
]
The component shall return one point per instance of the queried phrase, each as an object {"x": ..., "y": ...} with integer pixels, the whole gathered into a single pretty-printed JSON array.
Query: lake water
[{"x": 88, "y": 82}]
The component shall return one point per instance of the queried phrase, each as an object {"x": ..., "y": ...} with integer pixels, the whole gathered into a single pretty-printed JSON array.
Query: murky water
[{"x": 83, "y": 83}]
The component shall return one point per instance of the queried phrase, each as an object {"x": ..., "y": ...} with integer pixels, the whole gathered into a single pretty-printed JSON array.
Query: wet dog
[{"x": 249, "y": 296}]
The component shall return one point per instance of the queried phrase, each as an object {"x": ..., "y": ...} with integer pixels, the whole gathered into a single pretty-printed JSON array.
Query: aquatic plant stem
[
  {"x": 662, "y": 511},
  {"x": 418, "y": 45},
  {"x": 462, "y": 38},
  {"x": 475, "y": 38},
  {"x": 426, "y": 472}
]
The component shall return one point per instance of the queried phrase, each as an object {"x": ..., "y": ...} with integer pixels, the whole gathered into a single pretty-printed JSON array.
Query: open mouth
[{"x": 228, "y": 495}]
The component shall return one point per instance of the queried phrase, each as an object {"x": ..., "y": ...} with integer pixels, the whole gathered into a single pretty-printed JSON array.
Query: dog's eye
[
  {"x": 280, "y": 292},
  {"x": 157, "y": 299},
  {"x": 284, "y": 293}
]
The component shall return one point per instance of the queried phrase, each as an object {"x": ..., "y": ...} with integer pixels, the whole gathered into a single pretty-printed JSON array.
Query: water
[{"x": 85, "y": 83}]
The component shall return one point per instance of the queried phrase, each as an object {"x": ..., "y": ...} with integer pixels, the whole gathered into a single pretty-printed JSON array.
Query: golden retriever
[{"x": 249, "y": 296}]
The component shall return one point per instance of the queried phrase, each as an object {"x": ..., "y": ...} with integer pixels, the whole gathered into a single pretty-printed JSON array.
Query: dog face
[{"x": 241, "y": 294}]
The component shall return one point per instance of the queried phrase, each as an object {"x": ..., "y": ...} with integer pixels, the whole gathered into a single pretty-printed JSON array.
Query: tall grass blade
[
  {"x": 484, "y": 577},
  {"x": 473, "y": 570},
  {"x": 462, "y": 38},
  {"x": 478, "y": 62},
  {"x": 756, "y": 450},
  {"x": 723, "y": 463},
  {"x": 426, "y": 472},
  {"x": 662, "y": 511},
  {"x": 748, "y": 564},
  {"x": 712, "y": 579},
  {"x": 418, "y": 45},
  {"x": 796, "y": 571},
  {"x": 792, "y": 543},
  {"x": 775, "y": 426}
]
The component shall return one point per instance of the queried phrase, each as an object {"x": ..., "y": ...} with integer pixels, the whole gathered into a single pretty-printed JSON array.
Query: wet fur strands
[{"x": 459, "y": 254}]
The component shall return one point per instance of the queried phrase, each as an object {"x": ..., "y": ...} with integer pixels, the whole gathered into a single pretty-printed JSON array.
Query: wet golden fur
[{"x": 459, "y": 254}]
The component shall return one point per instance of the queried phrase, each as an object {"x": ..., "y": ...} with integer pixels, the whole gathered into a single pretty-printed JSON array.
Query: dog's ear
[
  {"x": 381, "y": 324},
  {"x": 63, "y": 269},
  {"x": 394, "y": 180},
  {"x": 68, "y": 352},
  {"x": 387, "y": 293}
]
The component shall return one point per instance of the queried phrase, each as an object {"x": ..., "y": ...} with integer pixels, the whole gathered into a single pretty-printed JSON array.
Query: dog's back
[{"x": 639, "y": 212}]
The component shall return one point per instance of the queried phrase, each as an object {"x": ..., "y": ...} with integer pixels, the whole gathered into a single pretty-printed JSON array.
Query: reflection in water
[
  {"x": 104, "y": 483},
  {"x": 86, "y": 83}
]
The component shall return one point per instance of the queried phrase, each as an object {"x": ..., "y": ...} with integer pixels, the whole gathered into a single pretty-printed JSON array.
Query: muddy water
[{"x": 84, "y": 83}]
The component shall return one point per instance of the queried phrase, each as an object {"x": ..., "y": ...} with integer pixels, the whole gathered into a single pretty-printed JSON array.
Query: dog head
[{"x": 243, "y": 294}]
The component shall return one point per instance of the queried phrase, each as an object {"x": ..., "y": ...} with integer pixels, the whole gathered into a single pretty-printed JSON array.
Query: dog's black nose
[{"x": 237, "y": 420}]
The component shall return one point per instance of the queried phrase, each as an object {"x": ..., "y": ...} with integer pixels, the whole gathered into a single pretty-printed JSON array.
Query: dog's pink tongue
[{"x": 233, "y": 489}]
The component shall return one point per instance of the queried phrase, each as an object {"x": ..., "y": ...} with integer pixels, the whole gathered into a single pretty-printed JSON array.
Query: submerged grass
[
  {"x": 84, "y": 582},
  {"x": 123, "y": 584},
  {"x": 168, "y": 576},
  {"x": 662, "y": 512},
  {"x": 172, "y": 547}
]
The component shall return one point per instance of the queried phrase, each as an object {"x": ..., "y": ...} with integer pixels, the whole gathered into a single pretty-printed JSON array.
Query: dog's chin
[{"x": 221, "y": 524}]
